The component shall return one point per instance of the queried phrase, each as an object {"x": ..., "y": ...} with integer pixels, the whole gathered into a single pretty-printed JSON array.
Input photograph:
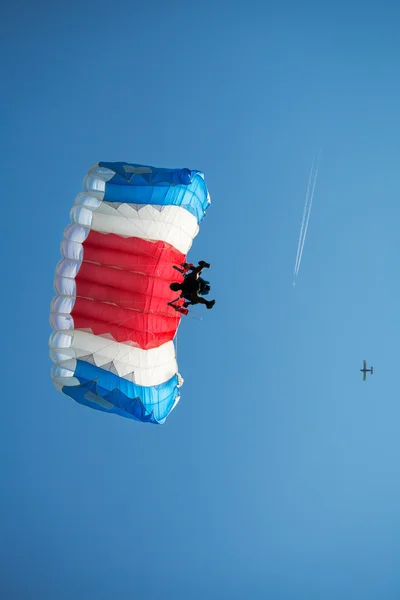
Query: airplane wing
[
  {"x": 365, "y": 364},
  {"x": 365, "y": 376}
]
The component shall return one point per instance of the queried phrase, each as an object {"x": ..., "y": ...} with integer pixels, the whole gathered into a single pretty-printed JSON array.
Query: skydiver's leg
[
  {"x": 193, "y": 298},
  {"x": 204, "y": 264},
  {"x": 196, "y": 299},
  {"x": 196, "y": 271},
  {"x": 209, "y": 303}
]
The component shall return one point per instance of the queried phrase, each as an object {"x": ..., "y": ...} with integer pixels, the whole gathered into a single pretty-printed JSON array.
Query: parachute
[{"x": 113, "y": 339}]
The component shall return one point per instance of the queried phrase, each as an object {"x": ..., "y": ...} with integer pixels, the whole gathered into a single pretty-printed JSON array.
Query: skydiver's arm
[{"x": 180, "y": 270}]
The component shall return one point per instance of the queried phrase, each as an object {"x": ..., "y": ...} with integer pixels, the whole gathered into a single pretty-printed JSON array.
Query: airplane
[{"x": 365, "y": 370}]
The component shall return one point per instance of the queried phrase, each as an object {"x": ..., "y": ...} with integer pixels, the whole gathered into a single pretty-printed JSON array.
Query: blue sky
[{"x": 277, "y": 476}]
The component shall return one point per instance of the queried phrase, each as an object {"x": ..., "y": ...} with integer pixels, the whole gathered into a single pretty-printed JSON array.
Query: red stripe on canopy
[{"x": 122, "y": 289}]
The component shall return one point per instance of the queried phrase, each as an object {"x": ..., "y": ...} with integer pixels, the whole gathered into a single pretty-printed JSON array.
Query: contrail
[
  {"x": 306, "y": 216},
  {"x": 303, "y": 220}
]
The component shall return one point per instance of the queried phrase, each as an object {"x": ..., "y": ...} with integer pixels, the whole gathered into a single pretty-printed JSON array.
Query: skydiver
[{"x": 193, "y": 286}]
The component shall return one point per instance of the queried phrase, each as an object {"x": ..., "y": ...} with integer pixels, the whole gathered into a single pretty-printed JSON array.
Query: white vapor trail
[
  {"x": 308, "y": 217},
  {"x": 312, "y": 180},
  {"x": 303, "y": 219}
]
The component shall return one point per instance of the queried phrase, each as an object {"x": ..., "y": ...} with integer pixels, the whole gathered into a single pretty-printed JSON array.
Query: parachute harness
[{"x": 184, "y": 269}]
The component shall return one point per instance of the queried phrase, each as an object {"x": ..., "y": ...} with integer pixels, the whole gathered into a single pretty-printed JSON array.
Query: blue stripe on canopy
[
  {"x": 105, "y": 391},
  {"x": 139, "y": 184}
]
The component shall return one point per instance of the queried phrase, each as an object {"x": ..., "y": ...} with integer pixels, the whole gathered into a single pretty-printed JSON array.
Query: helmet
[{"x": 175, "y": 287}]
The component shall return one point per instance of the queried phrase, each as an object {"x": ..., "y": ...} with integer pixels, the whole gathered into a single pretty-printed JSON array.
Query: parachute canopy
[{"x": 112, "y": 343}]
